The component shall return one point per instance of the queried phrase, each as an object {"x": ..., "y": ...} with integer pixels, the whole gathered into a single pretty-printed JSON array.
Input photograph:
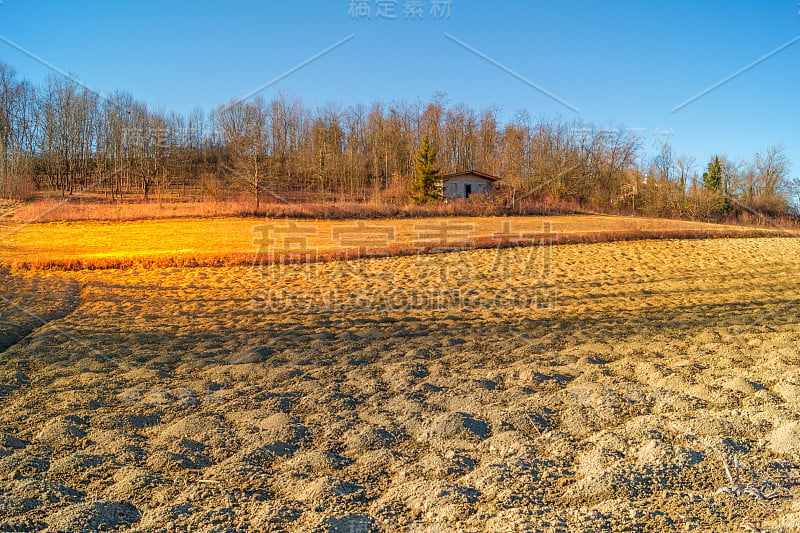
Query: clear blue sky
[{"x": 626, "y": 62}]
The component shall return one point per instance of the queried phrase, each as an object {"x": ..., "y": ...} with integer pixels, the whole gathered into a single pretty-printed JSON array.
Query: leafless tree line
[
  {"x": 753, "y": 189},
  {"x": 63, "y": 137}
]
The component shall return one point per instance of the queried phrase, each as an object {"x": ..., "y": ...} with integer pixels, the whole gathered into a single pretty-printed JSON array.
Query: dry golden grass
[
  {"x": 55, "y": 209},
  {"x": 94, "y": 208},
  {"x": 232, "y": 241}
]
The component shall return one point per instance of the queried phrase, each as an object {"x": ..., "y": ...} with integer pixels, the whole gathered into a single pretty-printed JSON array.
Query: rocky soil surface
[{"x": 639, "y": 386}]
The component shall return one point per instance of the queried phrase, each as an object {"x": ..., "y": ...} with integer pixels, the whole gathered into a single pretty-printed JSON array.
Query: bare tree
[
  {"x": 244, "y": 130},
  {"x": 68, "y": 114},
  {"x": 16, "y": 127}
]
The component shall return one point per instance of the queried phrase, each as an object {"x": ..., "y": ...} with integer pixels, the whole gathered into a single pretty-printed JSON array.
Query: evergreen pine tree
[
  {"x": 425, "y": 184},
  {"x": 714, "y": 180},
  {"x": 713, "y": 176}
]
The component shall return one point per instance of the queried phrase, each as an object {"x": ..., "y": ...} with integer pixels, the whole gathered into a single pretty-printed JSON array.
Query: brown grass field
[
  {"x": 228, "y": 241},
  {"x": 640, "y": 385},
  {"x": 89, "y": 206}
]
